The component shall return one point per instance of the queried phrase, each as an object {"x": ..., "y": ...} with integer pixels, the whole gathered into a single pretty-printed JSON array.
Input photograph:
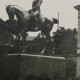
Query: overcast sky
[{"x": 49, "y": 8}]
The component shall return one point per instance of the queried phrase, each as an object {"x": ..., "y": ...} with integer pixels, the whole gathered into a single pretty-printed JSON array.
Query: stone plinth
[{"x": 23, "y": 65}]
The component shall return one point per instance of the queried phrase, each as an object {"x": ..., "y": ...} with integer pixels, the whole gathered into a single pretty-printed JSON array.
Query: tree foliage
[{"x": 65, "y": 41}]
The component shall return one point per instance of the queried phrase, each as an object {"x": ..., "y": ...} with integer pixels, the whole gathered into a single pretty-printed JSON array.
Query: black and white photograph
[{"x": 39, "y": 39}]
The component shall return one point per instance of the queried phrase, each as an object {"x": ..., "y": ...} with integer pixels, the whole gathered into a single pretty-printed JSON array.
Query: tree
[{"x": 65, "y": 41}]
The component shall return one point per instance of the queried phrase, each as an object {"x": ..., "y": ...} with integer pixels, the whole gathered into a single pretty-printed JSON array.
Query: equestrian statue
[{"x": 31, "y": 20}]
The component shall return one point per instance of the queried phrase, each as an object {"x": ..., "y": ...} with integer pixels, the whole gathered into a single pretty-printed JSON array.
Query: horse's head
[
  {"x": 19, "y": 12},
  {"x": 10, "y": 11},
  {"x": 55, "y": 21}
]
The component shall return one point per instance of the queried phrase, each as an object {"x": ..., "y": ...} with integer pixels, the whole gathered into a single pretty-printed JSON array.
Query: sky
[{"x": 50, "y": 9}]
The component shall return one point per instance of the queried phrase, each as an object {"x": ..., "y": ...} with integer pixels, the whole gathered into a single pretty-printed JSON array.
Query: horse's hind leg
[
  {"x": 44, "y": 43},
  {"x": 24, "y": 42},
  {"x": 43, "y": 51},
  {"x": 47, "y": 40}
]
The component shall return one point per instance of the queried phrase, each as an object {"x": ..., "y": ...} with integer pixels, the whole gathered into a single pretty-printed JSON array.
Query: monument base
[{"x": 21, "y": 66}]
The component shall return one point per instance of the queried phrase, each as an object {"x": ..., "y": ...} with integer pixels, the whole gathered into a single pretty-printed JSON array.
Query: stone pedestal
[{"x": 21, "y": 67}]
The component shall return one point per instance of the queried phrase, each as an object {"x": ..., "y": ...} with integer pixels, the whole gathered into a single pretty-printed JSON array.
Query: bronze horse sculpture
[{"x": 27, "y": 22}]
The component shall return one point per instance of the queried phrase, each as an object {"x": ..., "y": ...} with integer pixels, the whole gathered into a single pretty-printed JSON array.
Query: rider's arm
[{"x": 37, "y": 5}]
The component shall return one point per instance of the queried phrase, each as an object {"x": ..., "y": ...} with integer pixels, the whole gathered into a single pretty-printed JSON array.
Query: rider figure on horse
[
  {"x": 36, "y": 5},
  {"x": 35, "y": 11}
]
